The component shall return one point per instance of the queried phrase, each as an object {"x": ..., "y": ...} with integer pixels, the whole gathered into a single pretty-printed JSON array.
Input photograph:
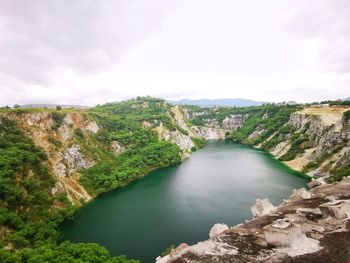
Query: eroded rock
[
  {"x": 262, "y": 207},
  {"x": 217, "y": 229}
]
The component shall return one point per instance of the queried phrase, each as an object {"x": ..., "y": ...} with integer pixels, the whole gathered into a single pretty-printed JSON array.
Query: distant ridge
[
  {"x": 348, "y": 98},
  {"x": 225, "y": 102},
  {"x": 53, "y": 106}
]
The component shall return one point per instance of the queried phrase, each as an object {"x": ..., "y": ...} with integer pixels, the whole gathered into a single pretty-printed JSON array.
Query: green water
[{"x": 217, "y": 184}]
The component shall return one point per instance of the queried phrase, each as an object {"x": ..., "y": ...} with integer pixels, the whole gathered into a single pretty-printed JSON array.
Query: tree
[
  {"x": 16, "y": 106},
  {"x": 58, "y": 107}
]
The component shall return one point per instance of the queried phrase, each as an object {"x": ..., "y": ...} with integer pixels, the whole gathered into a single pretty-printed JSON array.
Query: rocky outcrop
[
  {"x": 209, "y": 133},
  {"x": 311, "y": 226},
  {"x": 184, "y": 142},
  {"x": 234, "y": 121},
  {"x": 75, "y": 160},
  {"x": 262, "y": 207},
  {"x": 217, "y": 229},
  {"x": 117, "y": 147},
  {"x": 328, "y": 139},
  {"x": 56, "y": 136}
]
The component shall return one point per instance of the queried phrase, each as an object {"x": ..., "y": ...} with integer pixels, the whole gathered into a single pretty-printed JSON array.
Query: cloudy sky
[{"x": 87, "y": 52}]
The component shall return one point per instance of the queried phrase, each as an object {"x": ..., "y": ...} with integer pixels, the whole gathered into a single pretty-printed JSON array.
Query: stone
[
  {"x": 217, "y": 229},
  {"x": 92, "y": 127},
  {"x": 337, "y": 208},
  {"x": 235, "y": 121},
  {"x": 117, "y": 147},
  {"x": 262, "y": 207},
  {"x": 301, "y": 194},
  {"x": 283, "y": 232},
  {"x": 75, "y": 159},
  {"x": 316, "y": 182}
]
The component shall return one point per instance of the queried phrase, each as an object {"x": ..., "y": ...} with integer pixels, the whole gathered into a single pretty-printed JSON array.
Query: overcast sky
[{"x": 87, "y": 52}]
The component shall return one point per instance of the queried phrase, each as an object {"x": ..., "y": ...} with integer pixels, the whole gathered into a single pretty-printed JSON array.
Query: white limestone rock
[
  {"x": 92, "y": 127},
  {"x": 217, "y": 229},
  {"x": 262, "y": 207},
  {"x": 75, "y": 159},
  {"x": 117, "y": 147},
  {"x": 301, "y": 194}
]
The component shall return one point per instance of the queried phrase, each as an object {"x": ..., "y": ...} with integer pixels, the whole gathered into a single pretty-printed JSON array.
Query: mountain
[
  {"x": 54, "y": 161},
  {"x": 53, "y": 106},
  {"x": 346, "y": 99},
  {"x": 225, "y": 102}
]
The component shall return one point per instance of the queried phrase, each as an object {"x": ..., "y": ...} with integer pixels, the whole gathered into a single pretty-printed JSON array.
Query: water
[{"x": 217, "y": 184}]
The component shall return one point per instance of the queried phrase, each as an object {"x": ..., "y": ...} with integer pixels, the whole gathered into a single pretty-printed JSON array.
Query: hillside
[
  {"x": 313, "y": 140},
  {"x": 53, "y": 161},
  {"x": 226, "y": 102}
]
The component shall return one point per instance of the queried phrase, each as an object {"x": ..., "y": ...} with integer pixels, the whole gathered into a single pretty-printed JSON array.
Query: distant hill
[
  {"x": 348, "y": 98},
  {"x": 53, "y": 106},
  {"x": 219, "y": 102}
]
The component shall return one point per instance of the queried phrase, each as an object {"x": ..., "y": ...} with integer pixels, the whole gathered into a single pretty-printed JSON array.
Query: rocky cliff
[
  {"x": 326, "y": 147},
  {"x": 313, "y": 140},
  {"x": 71, "y": 141},
  {"x": 95, "y": 150},
  {"x": 310, "y": 226},
  {"x": 56, "y": 135}
]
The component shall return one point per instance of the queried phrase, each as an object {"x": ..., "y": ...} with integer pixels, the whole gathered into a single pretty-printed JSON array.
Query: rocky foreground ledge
[{"x": 310, "y": 226}]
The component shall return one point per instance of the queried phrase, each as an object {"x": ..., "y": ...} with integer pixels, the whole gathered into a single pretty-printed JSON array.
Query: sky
[{"x": 89, "y": 52}]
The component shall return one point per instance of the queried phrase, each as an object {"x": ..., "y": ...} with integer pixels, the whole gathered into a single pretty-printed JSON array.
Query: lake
[{"x": 217, "y": 184}]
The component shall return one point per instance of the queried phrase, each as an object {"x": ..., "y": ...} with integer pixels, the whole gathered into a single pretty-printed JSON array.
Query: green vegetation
[
  {"x": 168, "y": 250},
  {"x": 200, "y": 143},
  {"x": 296, "y": 147},
  {"x": 29, "y": 214},
  {"x": 268, "y": 119},
  {"x": 54, "y": 142},
  {"x": 336, "y": 102},
  {"x": 57, "y": 118},
  {"x": 79, "y": 133},
  {"x": 346, "y": 116},
  {"x": 339, "y": 173},
  {"x": 130, "y": 124}
]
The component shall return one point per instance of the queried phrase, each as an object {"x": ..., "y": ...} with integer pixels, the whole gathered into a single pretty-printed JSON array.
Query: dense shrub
[{"x": 26, "y": 207}]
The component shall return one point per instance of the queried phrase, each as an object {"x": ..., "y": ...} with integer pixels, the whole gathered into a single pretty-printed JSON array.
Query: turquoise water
[{"x": 217, "y": 184}]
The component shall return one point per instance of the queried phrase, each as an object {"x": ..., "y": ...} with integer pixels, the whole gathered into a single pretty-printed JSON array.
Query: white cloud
[{"x": 88, "y": 52}]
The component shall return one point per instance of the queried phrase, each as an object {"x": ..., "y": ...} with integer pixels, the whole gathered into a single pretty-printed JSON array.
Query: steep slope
[
  {"x": 310, "y": 226},
  {"x": 87, "y": 152},
  {"x": 218, "y": 102},
  {"x": 29, "y": 211},
  {"x": 61, "y": 159},
  {"x": 313, "y": 139}
]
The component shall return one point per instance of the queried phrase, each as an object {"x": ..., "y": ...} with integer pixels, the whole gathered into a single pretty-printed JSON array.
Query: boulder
[
  {"x": 262, "y": 207},
  {"x": 316, "y": 182},
  {"x": 301, "y": 194},
  {"x": 217, "y": 229}
]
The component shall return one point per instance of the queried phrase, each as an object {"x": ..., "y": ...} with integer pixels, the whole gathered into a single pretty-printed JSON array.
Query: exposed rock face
[
  {"x": 301, "y": 194},
  {"x": 328, "y": 139},
  {"x": 183, "y": 141},
  {"x": 297, "y": 231},
  {"x": 74, "y": 159},
  {"x": 262, "y": 207},
  {"x": 234, "y": 121},
  {"x": 209, "y": 133},
  {"x": 117, "y": 147},
  {"x": 65, "y": 158},
  {"x": 217, "y": 229},
  {"x": 316, "y": 182}
]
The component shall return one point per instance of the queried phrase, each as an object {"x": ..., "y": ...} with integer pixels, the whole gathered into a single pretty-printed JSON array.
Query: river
[{"x": 217, "y": 184}]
